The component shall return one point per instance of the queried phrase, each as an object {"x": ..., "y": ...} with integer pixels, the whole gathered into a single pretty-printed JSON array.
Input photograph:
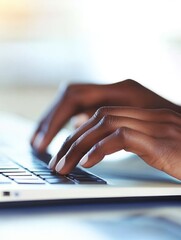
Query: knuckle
[
  {"x": 67, "y": 142},
  {"x": 68, "y": 139},
  {"x": 130, "y": 82},
  {"x": 71, "y": 88},
  {"x": 98, "y": 150},
  {"x": 130, "y": 87},
  {"x": 107, "y": 121},
  {"x": 101, "y": 112},
  {"x": 78, "y": 149},
  {"x": 96, "y": 147},
  {"x": 72, "y": 93},
  {"x": 74, "y": 96},
  {"x": 122, "y": 134},
  {"x": 172, "y": 130},
  {"x": 74, "y": 145}
]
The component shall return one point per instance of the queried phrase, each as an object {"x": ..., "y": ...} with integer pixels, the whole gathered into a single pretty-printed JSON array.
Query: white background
[{"x": 45, "y": 42}]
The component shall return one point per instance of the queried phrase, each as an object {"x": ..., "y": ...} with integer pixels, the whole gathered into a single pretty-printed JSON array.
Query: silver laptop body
[{"x": 25, "y": 177}]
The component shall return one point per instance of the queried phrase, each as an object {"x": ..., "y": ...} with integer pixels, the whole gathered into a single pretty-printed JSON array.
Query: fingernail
[
  {"x": 84, "y": 160},
  {"x": 38, "y": 140},
  {"x": 60, "y": 165},
  {"x": 52, "y": 162}
]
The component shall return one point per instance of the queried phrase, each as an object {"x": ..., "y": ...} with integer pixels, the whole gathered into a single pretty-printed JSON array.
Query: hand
[
  {"x": 86, "y": 99},
  {"x": 154, "y": 135}
]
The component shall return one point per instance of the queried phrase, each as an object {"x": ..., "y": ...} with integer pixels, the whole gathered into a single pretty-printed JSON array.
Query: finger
[
  {"x": 74, "y": 100},
  {"x": 104, "y": 128},
  {"x": 99, "y": 114},
  {"x": 90, "y": 124},
  {"x": 159, "y": 115},
  {"x": 70, "y": 140},
  {"x": 155, "y": 115},
  {"x": 36, "y": 131},
  {"x": 123, "y": 138},
  {"x": 110, "y": 123},
  {"x": 51, "y": 126},
  {"x": 160, "y": 153},
  {"x": 78, "y": 149}
]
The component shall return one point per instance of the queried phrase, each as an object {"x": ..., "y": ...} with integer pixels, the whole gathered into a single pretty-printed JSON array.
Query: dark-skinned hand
[{"x": 141, "y": 122}]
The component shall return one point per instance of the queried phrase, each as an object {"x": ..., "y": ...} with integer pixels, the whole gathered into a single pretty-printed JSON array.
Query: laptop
[{"x": 26, "y": 179}]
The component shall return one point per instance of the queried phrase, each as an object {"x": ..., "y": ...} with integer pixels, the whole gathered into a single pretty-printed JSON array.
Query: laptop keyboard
[{"x": 35, "y": 171}]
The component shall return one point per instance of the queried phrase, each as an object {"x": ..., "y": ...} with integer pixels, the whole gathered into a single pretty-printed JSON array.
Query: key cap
[
  {"x": 59, "y": 181},
  {"x": 13, "y": 170},
  {"x": 4, "y": 180},
  {"x": 49, "y": 177},
  {"x": 45, "y": 157},
  {"x": 24, "y": 177},
  {"x": 38, "y": 169},
  {"x": 89, "y": 180},
  {"x": 18, "y": 174},
  {"x": 21, "y": 181},
  {"x": 44, "y": 173},
  {"x": 7, "y": 165},
  {"x": 82, "y": 177}
]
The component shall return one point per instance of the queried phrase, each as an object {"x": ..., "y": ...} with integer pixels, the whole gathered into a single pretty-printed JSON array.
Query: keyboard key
[
  {"x": 50, "y": 177},
  {"x": 4, "y": 180},
  {"x": 34, "y": 171},
  {"x": 89, "y": 180},
  {"x": 59, "y": 181},
  {"x": 13, "y": 170},
  {"x": 38, "y": 169},
  {"x": 18, "y": 174},
  {"x": 24, "y": 177},
  {"x": 33, "y": 164},
  {"x": 45, "y": 157},
  {"x": 7, "y": 165},
  {"x": 38, "y": 173},
  {"x": 73, "y": 175},
  {"x": 21, "y": 181},
  {"x": 82, "y": 177}
]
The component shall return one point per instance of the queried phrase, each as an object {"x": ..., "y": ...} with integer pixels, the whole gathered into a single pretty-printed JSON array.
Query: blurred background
[{"x": 46, "y": 43}]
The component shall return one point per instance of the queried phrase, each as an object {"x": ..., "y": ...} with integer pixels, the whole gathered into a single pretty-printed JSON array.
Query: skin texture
[{"x": 135, "y": 119}]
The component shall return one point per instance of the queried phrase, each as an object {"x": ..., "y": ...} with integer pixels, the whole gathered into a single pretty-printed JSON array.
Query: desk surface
[{"x": 93, "y": 221}]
